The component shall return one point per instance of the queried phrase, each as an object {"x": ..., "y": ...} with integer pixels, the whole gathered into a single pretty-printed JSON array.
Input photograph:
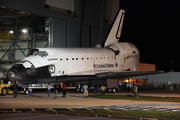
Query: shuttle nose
[
  {"x": 11, "y": 76},
  {"x": 20, "y": 71},
  {"x": 15, "y": 72}
]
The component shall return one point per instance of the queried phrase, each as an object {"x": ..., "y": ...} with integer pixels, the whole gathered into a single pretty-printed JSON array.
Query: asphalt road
[{"x": 73, "y": 102}]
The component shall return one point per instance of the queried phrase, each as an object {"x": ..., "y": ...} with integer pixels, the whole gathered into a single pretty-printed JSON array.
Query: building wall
[
  {"x": 166, "y": 78},
  {"x": 146, "y": 67},
  {"x": 170, "y": 78},
  {"x": 138, "y": 80}
]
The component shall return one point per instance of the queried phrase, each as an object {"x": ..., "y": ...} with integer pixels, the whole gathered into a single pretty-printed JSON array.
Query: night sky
[{"x": 153, "y": 26}]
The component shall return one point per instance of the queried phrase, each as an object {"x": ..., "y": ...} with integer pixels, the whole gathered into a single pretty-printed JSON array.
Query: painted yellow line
[
  {"x": 14, "y": 109},
  {"x": 52, "y": 109},
  {"x": 89, "y": 109},
  {"x": 33, "y": 109},
  {"x": 125, "y": 109},
  {"x": 71, "y": 109},
  {"x": 108, "y": 110}
]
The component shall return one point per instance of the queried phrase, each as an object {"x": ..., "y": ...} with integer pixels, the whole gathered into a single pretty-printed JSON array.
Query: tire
[
  {"x": 26, "y": 92},
  {"x": 82, "y": 90},
  {"x": 114, "y": 90},
  {"x": 4, "y": 91},
  {"x": 77, "y": 90},
  {"x": 109, "y": 90}
]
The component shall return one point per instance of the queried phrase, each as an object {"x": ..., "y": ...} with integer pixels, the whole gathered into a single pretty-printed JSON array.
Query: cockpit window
[
  {"x": 37, "y": 52},
  {"x": 42, "y": 53},
  {"x": 33, "y": 52}
]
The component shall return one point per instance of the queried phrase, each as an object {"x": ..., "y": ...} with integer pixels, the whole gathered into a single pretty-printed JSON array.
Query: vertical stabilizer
[{"x": 115, "y": 32}]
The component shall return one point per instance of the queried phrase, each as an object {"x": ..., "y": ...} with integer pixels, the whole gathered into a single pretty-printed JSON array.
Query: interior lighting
[
  {"x": 169, "y": 83},
  {"x": 126, "y": 80},
  {"x": 11, "y": 31},
  {"x": 24, "y": 31}
]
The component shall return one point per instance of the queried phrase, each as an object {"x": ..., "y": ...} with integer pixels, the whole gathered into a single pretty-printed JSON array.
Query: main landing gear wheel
[
  {"x": 26, "y": 92},
  {"x": 4, "y": 91},
  {"x": 77, "y": 90}
]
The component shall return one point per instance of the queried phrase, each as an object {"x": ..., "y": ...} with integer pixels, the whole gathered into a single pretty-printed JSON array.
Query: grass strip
[
  {"x": 141, "y": 98},
  {"x": 135, "y": 114}
]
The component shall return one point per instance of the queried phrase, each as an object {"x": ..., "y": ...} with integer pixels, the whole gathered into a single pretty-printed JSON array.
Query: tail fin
[{"x": 115, "y": 32}]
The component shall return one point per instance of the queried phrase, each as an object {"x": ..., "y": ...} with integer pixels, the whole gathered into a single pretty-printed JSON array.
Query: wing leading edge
[{"x": 126, "y": 74}]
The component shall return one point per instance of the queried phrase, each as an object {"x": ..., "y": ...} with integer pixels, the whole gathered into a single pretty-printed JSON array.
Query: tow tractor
[{"x": 7, "y": 88}]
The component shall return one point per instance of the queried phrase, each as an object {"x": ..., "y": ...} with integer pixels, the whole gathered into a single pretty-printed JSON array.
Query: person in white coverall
[{"x": 85, "y": 87}]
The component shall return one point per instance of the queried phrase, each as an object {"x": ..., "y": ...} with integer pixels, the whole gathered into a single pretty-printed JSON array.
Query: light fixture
[
  {"x": 24, "y": 31},
  {"x": 11, "y": 31}
]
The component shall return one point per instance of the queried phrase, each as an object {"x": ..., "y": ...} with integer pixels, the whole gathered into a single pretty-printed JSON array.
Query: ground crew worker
[
  {"x": 103, "y": 89},
  {"x": 30, "y": 92},
  {"x": 64, "y": 90},
  {"x": 85, "y": 87},
  {"x": 48, "y": 90},
  {"x": 136, "y": 91},
  {"x": 15, "y": 86},
  {"x": 55, "y": 90}
]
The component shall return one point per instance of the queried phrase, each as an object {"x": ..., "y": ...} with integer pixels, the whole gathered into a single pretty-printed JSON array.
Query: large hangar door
[
  {"x": 57, "y": 33},
  {"x": 73, "y": 34},
  {"x": 85, "y": 36}
]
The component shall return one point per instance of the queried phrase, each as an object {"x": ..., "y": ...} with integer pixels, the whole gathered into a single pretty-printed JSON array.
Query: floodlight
[
  {"x": 24, "y": 31},
  {"x": 11, "y": 31}
]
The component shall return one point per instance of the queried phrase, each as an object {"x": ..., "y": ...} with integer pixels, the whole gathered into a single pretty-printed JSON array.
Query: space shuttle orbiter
[{"x": 115, "y": 60}]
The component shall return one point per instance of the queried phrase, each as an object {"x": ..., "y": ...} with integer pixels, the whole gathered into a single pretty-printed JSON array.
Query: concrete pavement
[{"x": 77, "y": 100}]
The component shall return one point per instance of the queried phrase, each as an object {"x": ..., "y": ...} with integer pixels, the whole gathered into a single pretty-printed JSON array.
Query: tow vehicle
[{"x": 8, "y": 89}]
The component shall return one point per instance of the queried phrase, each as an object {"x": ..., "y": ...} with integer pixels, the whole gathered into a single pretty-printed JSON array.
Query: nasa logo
[{"x": 95, "y": 66}]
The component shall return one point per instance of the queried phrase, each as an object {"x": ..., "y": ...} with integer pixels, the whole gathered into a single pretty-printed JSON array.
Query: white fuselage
[{"x": 86, "y": 61}]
